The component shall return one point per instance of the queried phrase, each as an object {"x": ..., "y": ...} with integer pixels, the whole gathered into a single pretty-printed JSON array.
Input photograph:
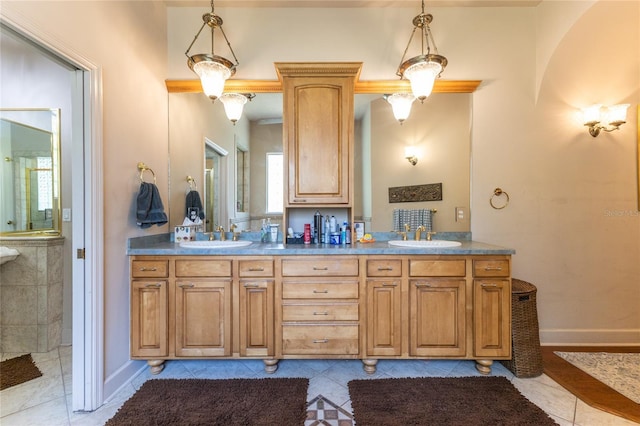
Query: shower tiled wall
[{"x": 31, "y": 295}]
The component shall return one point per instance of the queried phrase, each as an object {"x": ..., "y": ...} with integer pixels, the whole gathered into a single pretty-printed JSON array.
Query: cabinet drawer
[
  {"x": 384, "y": 268},
  {"x": 320, "y": 312},
  {"x": 330, "y": 339},
  {"x": 203, "y": 268},
  {"x": 491, "y": 268},
  {"x": 437, "y": 268},
  {"x": 256, "y": 268},
  {"x": 150, "y": 268},
  {"x": 337, "y": 267},
  {"x": 320, "y": 290}
]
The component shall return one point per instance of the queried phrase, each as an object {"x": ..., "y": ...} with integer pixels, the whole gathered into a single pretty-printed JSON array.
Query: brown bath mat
[
  {"x": 17, "y": 370},
  {"x": 461, "y": 401},
  {"x": 216, "y": 402}
]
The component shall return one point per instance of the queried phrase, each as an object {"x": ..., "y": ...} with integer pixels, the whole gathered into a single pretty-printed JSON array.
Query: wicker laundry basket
[{"x": 525, "y": 337}]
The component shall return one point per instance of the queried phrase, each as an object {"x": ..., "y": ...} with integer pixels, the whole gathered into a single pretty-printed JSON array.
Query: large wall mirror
[
  {"x": 30, "y": 169},
  {"x": 438, "y": 130}
]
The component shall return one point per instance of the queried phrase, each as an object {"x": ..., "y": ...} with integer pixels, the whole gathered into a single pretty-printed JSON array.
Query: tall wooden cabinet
[{"x": 318, "y": 135}]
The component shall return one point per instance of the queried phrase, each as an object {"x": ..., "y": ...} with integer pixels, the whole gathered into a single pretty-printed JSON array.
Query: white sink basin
[
  {"x": 8, "y": 254},
  {"x": 215, "y": 244},
  {"x": 424, "y": 243}
]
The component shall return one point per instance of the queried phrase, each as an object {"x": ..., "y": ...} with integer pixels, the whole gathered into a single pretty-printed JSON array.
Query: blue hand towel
[
  {"x": 193, "y": 202},
  {"x": 150, "y": 210}
]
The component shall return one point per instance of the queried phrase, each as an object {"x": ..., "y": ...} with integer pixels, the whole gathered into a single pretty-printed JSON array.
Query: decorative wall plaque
[{"x": 408, "y": 194}]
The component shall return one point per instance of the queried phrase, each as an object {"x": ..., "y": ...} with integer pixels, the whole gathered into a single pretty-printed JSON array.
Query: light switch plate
[
  {"x": 66, "y": 215},
  {"x": 461, "y": 214}
]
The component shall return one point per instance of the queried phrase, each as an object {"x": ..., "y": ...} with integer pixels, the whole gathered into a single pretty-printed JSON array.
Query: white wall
[
  {"x": 127, "y": 40},
  {"x": 539, "y": 65}
]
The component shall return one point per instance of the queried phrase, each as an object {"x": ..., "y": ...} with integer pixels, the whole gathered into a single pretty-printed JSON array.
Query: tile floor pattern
[{"x": 46, "y": 400}]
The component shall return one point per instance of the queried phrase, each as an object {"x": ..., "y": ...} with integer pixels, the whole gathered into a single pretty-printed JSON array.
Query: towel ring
[
  {"x": 497, "y": 193},
  {"x": 144, "y": 168},
  {"x": 193, "y": 186}
]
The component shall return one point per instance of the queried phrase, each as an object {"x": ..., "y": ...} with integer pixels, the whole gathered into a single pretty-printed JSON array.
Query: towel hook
[
  {"x": 497, "y": 193},
  {"x": 144, "y": 168},
  {"x": 193, "y": 186}
]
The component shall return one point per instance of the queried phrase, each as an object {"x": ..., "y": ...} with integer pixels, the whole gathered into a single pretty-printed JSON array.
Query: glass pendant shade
[
  {"x": 213, "y": 75},
  {"x": 401, "y": 105},
  {"x": 233, "y": 105},
  {"x": 422, "y": 76}
]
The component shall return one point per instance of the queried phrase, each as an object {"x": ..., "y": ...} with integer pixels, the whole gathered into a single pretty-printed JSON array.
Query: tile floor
[{"x": 47, "y": 400}]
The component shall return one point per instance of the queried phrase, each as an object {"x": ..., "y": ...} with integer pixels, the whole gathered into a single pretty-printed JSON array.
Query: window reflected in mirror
[
  {"x": 242, "y": 181},
  {"x": 275, "y": 182}
]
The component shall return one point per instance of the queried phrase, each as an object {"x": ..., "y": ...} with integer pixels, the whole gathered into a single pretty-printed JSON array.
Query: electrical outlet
[{"x": 461, "y": 214}]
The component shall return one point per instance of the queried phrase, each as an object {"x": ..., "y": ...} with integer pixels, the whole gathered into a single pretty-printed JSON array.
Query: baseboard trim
[
  {"x": 121, "y": 378},
  {"x": 589, "y": 337}
]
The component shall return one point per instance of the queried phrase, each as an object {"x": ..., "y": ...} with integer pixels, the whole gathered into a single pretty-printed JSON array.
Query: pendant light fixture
[
  {"x": 401, "y": 105},
  {"x": 422, "y": 70},
  {"x": 234, "y": 104},
  {"x": 212, "y": 69}
]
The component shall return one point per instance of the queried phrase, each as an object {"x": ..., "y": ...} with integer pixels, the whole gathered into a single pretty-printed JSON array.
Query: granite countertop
[{"x": 162, "y": 244}]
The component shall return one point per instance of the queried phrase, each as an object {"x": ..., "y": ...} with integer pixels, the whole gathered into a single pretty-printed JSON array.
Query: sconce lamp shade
[
  {"x": 233, "y": 105},
  {"x": 410, "y": 155},
  {"x": 401, "y": 105},
  {"x": 604, "y": 118}
]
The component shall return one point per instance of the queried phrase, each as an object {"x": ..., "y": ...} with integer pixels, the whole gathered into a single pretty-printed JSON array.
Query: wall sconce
[
  {"x": 599, "y": 117},
  {"x": 410, "y": 155}
]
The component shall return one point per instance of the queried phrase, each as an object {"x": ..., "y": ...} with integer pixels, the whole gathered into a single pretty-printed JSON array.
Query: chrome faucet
[
  {"x": 223, "y": 236},
  {"x": 419, "y": 230}
]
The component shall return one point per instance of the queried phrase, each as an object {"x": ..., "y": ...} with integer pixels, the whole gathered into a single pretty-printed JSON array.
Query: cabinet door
[
  {"x": 203, "y": 318},
  {"x": 492, "y": 317},
  {"x": 437, "y": 317},
  {"x": 383, "y": 318},
  {"x": 149, "y": 319},
  {"x": 256, "y": 318}
]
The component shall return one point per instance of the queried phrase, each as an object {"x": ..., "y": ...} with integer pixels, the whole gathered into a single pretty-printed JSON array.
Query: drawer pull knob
[
  {"x": 388, "y": 268},
  {"x": 489, "y": 285},
  {"x": 250, "y": 285},
  {"x": 493, "y": 268},
  {"x": 321, "y": 291},
  {"x": 190, "y": 285},
  {"x": 423, "y": 285},
  {"x": 319, "y": 268},
  {"x": 389, "y": 285},
  {"x": 256, "y": 269},
  {"x": 154, "y": 285},
  {"x": 321, "y": 341},
  {"x": 143, "y": 269},
  {"x": 321, "y": 313}
]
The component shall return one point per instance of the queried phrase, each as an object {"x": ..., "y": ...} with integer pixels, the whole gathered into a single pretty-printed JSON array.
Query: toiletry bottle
[
  {"x": 317, "y": 226},
  {"x": 343, "y": 233},
  {"x": 307, "y": 233},
  {"x": 327, "y": 231},
  {"x": 348, "y": 236},
  {"x": 263, "y": 231},
  {"x": 334, "y": 224}
]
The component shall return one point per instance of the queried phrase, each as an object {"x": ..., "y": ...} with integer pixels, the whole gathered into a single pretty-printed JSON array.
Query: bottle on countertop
[
  {"x": 264, "y": 231},
  {"x": 307, "y": 233},
  {"x": 348, "y": 236},
  {"x": 343, "y": 233},
  {"x": 317, "y": 227},
  {"x": 334, "y": 224},
  {"x": 327, "y": 230}
]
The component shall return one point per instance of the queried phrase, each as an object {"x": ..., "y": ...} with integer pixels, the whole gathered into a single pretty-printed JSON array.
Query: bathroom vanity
[{"x": 362, "y": 301}]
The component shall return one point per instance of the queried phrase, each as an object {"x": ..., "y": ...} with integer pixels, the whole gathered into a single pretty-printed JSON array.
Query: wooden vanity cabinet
[
  {"x": 384, "y": 307},
  {"x": 318, "y": 131},
  {"x": 256, "y": 310},
  {"x": 492, "y": 308},
  {"x": 319, "y": 307}
]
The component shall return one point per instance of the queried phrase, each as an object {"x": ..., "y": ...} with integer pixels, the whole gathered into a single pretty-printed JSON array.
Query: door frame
[{"x": 88, "y": 223}]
